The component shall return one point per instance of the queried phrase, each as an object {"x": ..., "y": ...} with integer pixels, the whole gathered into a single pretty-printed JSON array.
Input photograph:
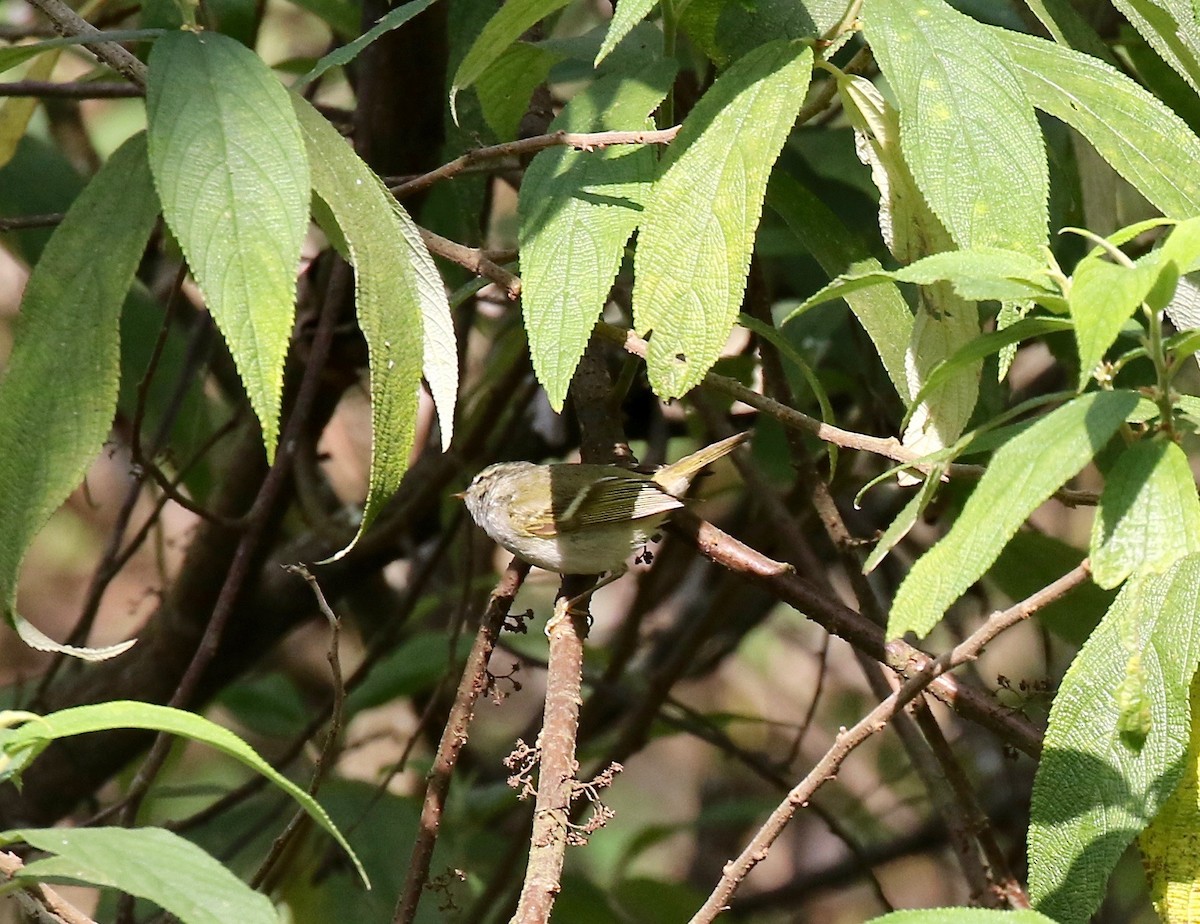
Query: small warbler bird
[{"x": 575, "y": 518}]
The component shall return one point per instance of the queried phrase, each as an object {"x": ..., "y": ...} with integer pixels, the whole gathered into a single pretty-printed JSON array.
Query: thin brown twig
[
  {"x": 24, "y": 222},
  {"x": 889, "y": 447},
  {"x": 39, "y": 901},
  {"x": 271, "y": 868},
  {"x": 583, "y": 141},
  {"x": 69, "y": 23},
  {"x": 474, "y": 259},
  {"x": 454, "y": 737},
  {"x": 78, "y": 89},
  {"x": 826, "y": 768}
]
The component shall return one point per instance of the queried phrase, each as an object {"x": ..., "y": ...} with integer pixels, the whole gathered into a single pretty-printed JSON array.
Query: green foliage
[
  {"x": 150, "y": 863},
  {"x": 230, "y": 169}
]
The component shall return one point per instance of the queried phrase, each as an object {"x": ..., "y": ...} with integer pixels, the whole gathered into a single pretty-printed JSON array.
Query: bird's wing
[{"x": 607, "y": 501}]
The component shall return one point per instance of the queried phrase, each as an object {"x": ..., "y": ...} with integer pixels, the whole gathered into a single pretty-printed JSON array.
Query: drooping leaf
[
  {"x": 1023, "y": 473},
  {"x": 944, "y": 322},
  {"x": 229, "y": 164},
  {"x": 698, "y": 229},
  {"x": 505, "y": 88},
  {"x": 1095, "y": 790},
  {"x": 1149, "y": 515},
  {"x": 905, "y": 520},
  {"x": 342, "y": 56},
  {"x": 578, "y": 209},
  {"x": 1142, "y": 139},
  {"x": 504, "y": 28},
  {"x": 53, "y": 425},
  {"x": 882, "y": 311},
  {"x": 22, "y": 745},
  {"x": 981, "y": 167},
  {"x": 16, "y": 111},
  {"x": 150, "y": 863},
  {"x": 400, "y": 301}
]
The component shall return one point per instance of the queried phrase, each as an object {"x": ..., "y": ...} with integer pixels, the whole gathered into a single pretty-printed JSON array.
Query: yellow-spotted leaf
[
  {"x": 698, "y": 230},
  {"x": 1116, "y": 740},
  {"x": 52, "y": 425},
  {"x": 1022, "y": 474},
  {"x": 229, "y": 163},
  {"x": 578, "y": 209}
]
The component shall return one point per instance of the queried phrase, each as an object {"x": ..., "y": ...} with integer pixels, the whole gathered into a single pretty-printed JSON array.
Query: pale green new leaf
[
  {"x": 578, "y": 209},
  {"x": 1096, "y": 789},
  {"x": 962, "y": 916},
  {"x": 626, "y": 15},
  {"x": 504, "y": 28},
  {"x": 400, "y": 301},
  {"x": 342, "y": 56},
  {"x": 1103, "y": 295},
  {"x": 22, "y": 745},
  {"x": 967, "y": 129},
  {"x": 151, "y": 863},
  {"x": 882, "y": 310},
  {"x": 698, "y": 230},
  {"x": 52, "y": 425},
  {"x": 1023, "y": 473},
  {"x": 905, "y": 520},
  {"x": 229, "y": 163},
  {"x": 1149, "y": 515},
  {"x": 1143, "y": 140},
  {"x": 1171, "y": 29}
]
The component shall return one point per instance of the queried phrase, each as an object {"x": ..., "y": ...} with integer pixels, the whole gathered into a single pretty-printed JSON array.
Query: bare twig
[
  {"x": 67, "y": 22},
  {"x": 473, "y": 259},
  {"x": 877, "y": 719},
  {"x": 38, "y": 901},
  {"x": 22, "y": 222},
  {"x": 83, "y": 89},
  {"x": 583, "y": 141},
  {"x": 454, "y": 737}
]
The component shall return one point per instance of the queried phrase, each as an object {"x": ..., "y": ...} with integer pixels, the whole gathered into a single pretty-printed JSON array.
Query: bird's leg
[{"x": 562, "y": 611}]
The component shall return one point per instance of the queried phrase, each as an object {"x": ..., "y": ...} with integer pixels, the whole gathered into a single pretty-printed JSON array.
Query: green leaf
[
  {"x": 340, "y": 57},
  {"x": 1149, "y": 515},
  {"x": 505, "y": 88},
  {"x": 1094, "y": 792},
  {"x": 905, "y": 520},
  {"x": 1143, "y": 140},
  {"x": 1102, "y": 298},
  {"x": 1067, "y": 27},
  {"x": 12, "y": 55},
  {"x": 967, "y": 129},
  {"x": 52, "y": 425},
  {"x": 398, "y": 293},
  {"x": 962, "y": 916},
  {"x": 504, "y": 28},
  {"x": 149, "y": 863},
  {"x": 23, "y": 744},
  {"x": 229, "y": 164},
  {"x": 727, "y": 29},
  {"x": 16, "y": 111},
  {"x": 1170, "y": 26},
  {"x": 882, "y": 311},
  {"x": 625, "y": 17},
  {"x": 1024, "y": 472},
  {"x": 698, "y": 230},
  {"x": 577, "y": 211}
]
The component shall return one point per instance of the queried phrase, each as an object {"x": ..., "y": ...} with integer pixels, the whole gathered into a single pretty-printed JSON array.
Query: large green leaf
[
  {"x": 967, "y": 128},
  {"x": 52, "y": 425},
  {"x": 698, "y": 231},
  {"x": 1097, "y": 785},
  {"x": 1149, "y": 515},
  {"x": 577, "y": 211},
  {"x": 150, "y": 863},
  {"x": 229, "y": 163},
  {"x": 1143, "y": 140},
  {"x": 882, "y": 311},
  {"x": 22, "y": 745},
  {"x": 1024, "y": 472},
  {"x": 400, "y": 299}
]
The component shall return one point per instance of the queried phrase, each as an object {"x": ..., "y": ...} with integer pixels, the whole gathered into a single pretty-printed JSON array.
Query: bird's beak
[{"x": 459, "y": 495}]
